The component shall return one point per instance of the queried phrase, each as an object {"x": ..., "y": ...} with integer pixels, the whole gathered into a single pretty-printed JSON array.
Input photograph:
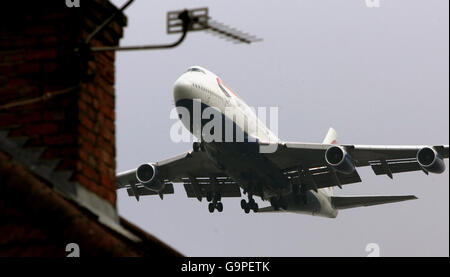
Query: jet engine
[
  {"x": 147, "y": 175},
  {"x": 339, "y": 159},
  {"x": 430, "y": 160}
]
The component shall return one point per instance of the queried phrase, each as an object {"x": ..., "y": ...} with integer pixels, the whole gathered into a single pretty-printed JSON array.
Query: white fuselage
[
  {"x": 199, "y": 84},
  {"x": 208, "y": 88}
]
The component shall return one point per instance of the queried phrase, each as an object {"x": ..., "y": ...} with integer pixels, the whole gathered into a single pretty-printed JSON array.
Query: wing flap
[
  {"x": 395, "y": 166},
  {"x": 321, "y": 177},
  {"x": 200, "y": 187},
  {"x": 346, "y": 202},
  {"x": 141, "y": 191}
]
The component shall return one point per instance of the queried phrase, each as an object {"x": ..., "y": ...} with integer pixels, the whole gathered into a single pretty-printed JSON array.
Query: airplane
[{"x": 296, "y": 177}]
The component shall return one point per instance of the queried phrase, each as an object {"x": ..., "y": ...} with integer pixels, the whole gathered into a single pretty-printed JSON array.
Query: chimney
[
  {"x": 57, "y": 104},
  {"x": 57, "y": 134}
]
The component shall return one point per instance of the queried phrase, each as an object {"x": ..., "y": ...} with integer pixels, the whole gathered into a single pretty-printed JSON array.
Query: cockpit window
[{"x": 196, "y": 69}]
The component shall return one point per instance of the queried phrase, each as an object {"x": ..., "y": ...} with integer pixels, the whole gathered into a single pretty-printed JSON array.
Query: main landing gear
[
  {"x": 250, "y": 205},
  {"x": 213, "y": 206},
  {"x": 215, "y": 202}
]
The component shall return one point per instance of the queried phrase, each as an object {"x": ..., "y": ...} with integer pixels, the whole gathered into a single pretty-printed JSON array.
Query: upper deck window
[
  {"x": 225, "y": 89},
  {"x": 196, "y": 69}
]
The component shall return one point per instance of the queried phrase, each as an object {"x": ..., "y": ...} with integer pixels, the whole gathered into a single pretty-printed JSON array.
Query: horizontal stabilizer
[{"x": 346, "y": 202}]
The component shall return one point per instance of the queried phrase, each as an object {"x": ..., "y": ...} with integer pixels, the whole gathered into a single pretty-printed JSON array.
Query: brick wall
[
  {"x": 76, "y": 128},
  {"x": 36, "y": 221}
]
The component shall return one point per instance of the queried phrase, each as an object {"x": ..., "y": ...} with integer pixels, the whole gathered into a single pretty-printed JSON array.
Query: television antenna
[{"x": 181, "y": 21}]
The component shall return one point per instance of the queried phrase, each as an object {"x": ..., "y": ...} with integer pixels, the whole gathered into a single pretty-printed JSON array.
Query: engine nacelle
[
  {"x": 430, "y": 160},
  {"x": 339, "y": 159},
  {"x": 147, "y": 175}
]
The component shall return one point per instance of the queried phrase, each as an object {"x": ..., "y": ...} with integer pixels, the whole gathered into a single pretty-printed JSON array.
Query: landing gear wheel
[
  {"x": 247, "y": 209},
  {"x": 254, "y": 206},
  {"x": 211, "y": 207},
  {"x": 219, "y": 207},
  {"x": 243, "y": 204}
]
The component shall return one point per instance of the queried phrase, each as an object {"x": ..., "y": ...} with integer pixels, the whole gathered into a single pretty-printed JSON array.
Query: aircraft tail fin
[
  {"x": 331, "y": 137},
  {"x": 346, "y": 202}
]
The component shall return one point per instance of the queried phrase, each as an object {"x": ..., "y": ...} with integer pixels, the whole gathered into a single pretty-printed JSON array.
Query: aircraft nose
[{"x": 182, "y": 89}]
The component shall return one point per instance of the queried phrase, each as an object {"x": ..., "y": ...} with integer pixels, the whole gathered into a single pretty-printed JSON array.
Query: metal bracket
[
  {"x": 308, "y": 175},
  {"x": 386, "y": 168},
  {"x": 196, "y": 188},
  {"x": 135, "y": 190},
  {"x": 336, "y": 180},
  {"x": 187, "y": 21}
]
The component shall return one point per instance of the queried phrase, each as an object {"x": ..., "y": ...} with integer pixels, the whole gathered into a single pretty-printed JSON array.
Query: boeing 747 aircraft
[{"x": 294, "y": 176}]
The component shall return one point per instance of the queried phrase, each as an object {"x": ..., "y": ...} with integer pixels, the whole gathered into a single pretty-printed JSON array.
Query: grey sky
[{"x": 377, "y": 75}]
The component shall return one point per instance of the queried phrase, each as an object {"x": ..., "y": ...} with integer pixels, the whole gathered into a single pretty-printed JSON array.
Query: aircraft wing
[
  {"x": 306, "y": 161},
  {"x": 198, "y": 175}
]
